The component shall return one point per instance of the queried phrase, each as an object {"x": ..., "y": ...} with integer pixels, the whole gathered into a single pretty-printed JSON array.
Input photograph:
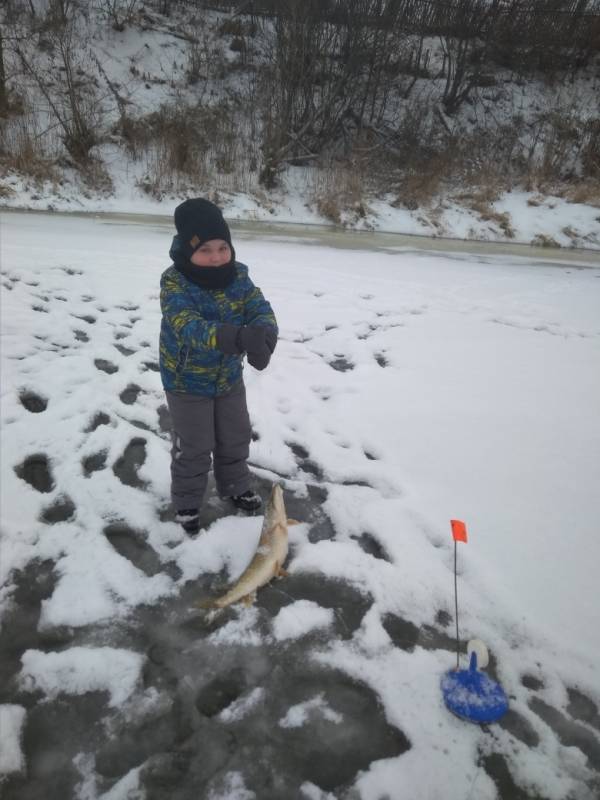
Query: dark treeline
[{"x": 518, "y": 32}]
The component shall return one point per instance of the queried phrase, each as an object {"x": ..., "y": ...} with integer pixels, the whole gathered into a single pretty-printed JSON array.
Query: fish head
[{"x": 275, "y": 512}]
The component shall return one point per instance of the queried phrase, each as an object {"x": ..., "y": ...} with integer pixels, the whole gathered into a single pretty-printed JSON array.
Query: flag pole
[
  {"x": 456, "y": 605},
  {"x": 459, "y": 534}
]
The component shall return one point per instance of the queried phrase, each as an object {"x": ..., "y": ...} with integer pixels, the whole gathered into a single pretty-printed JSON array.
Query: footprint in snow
[
  {"x": 341, "y": 364},
  {"x": 519, "y": 727},
  {"x": 33, "y": 402},
  {"x": 85, "y": 318},
  {"x": 61, "y": 510},
  {"x": 583, "y": 708},
  {"x": 568, "y": 732},
  {"x": 151, "y": 366},
  {"x": 125, "y": 351},
  {"x": 362, "y": 484},
  {"x": 130, "y": 394},
  {"x": 369, "y": 544},
  {"x": 304, "y": 462},
  {"x": 35, "y": 470},
  {"x": 130, "y": 544},
  {"x": 94, "y": 463},
  {"x": 532, "y": 683},
  {"x": 99, "y": 419},
  {"x": 126, "y": 467},
  {"x": 105, "y": 366}
]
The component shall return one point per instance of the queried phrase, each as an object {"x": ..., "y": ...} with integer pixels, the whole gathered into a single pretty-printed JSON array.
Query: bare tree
[
  {"x": 331, "y": 73},
  {"x": 62, "y": 80},
  {"x": 3, "y": 88},
  {"x": 465, "y": 28},
  {"x": 119, "y": 12},
  {"x": 12, "y": 29}
]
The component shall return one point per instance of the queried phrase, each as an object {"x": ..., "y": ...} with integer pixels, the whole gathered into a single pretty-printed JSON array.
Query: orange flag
[{"x": 459, "y": 530}]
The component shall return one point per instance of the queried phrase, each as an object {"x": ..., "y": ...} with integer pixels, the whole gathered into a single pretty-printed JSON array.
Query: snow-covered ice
[
  {"x": 299, "y": 618},
  {"x": 298, "y": 715},
  {"x": 408, "y": 388},
  {"x": 12, "y": 719},
  {"x": 83, "y": 669}
]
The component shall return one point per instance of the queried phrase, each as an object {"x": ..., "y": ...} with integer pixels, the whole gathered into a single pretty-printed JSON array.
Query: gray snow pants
[{"x": 205, "y": 425}]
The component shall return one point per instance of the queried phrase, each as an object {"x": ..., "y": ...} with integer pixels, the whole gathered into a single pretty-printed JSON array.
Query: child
[{"x": 212, "y": 315}]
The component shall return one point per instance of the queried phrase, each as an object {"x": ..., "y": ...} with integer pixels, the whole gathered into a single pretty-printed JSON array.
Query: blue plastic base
[{"x": 472, "y": 696}]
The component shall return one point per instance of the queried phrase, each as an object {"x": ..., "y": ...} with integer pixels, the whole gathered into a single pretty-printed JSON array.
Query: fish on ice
[{"x": 268, "y": 559}]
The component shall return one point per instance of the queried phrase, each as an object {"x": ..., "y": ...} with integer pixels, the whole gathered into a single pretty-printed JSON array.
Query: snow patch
[
  {"x": 300, "y": 618},
  {"x": 299, "y": 714},
  {"x": 12, "y": 721},
  {"x": 82, "y": 669}
]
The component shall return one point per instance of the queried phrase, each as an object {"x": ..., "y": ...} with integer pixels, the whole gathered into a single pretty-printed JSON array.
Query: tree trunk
[{"x": 3, "y": 90}]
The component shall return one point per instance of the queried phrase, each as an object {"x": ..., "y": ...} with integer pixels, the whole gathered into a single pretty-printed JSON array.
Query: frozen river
[{"x": 415, "y": 381}]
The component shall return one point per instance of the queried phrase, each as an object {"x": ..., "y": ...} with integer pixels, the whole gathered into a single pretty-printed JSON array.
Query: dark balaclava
[{"x": 198, "y": 221}]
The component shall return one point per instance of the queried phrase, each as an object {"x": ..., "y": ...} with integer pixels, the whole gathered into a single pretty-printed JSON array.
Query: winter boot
[
  {"x": 189, "y": 519},
  {"x": 249, "y": 502}
]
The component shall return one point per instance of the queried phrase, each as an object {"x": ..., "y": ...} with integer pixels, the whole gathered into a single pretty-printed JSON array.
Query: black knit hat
[{"x": 198, "y": 221}]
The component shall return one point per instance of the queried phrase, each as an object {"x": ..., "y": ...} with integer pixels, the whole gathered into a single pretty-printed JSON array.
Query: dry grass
[
  {"x": 184, "y": 147},
  {"x": 419, "y": 189},
  {"x": 541, "y": 240},
  {"x": 338, "y": 193},
  {"x": 489, "y": 187},
  {"x": 536, "y": 201},
  {"x": 501, "y": 219},
  {"x": 27, "y": 152},
  {"x": 540, "y": 181},
  {"x": 96, "y": 178},
  {"x": 587, "y": 192},
  {"x": 6, "y": 192},
  {"x": 31, "y": 164}
]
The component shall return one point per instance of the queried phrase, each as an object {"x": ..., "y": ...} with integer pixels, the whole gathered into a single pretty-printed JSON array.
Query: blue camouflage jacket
[{"x": 189, "y": 359}]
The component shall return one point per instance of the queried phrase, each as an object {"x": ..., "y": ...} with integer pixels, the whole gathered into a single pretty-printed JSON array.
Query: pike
[{"x": 268, "y": 560}]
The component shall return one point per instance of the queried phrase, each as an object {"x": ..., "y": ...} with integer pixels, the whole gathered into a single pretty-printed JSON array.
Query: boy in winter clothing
[{"x": 212, "y": 315}]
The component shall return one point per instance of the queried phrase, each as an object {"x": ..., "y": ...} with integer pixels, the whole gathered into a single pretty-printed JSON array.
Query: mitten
[
  {"x": 252, "y": 338},
  {"x": 270, "y": 339},
  {"x": 259, "y": 360}
]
